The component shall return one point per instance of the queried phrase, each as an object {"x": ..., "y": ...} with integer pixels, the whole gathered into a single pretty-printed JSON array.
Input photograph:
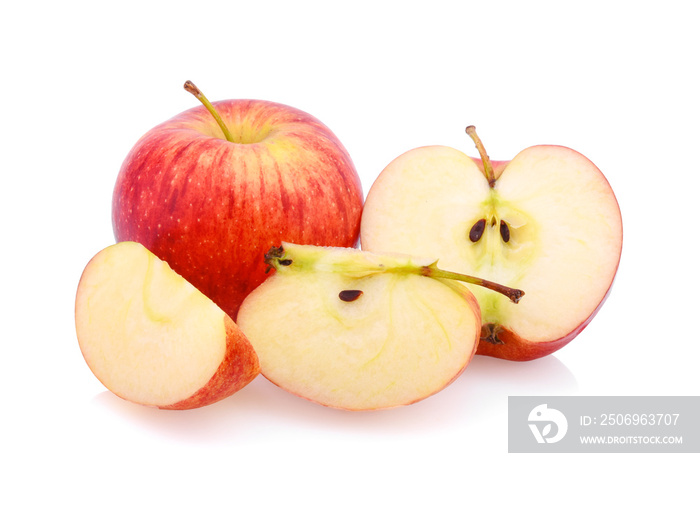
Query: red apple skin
[
  {"x": 239, "y": 367},
  {"x": 213, "y": 208},
  {"x": 515, "y": 347},
  {"x": 518, "y": 349},
  {"x": 498, "y": 166}
]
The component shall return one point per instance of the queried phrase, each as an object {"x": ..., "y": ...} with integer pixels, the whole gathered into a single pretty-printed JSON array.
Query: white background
[{"x": 81, "y": 81}]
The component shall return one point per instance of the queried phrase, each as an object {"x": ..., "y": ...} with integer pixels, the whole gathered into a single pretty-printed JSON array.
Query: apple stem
[
  {"x": 514, "y": 295},
  {"x": 488, "y": 168},
  {"x": 277, "y": 258},
  {"x": 194, "y": 90}
]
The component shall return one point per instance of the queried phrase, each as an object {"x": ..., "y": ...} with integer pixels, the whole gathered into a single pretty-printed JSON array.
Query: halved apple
[
  {"x": 152, "y": 338},
  {"x": 356, "y": 330},
  {"x": 547, "y": 222}
]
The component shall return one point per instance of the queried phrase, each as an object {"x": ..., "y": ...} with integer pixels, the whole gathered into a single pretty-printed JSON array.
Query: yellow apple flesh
[
  {"x": 356, "y": 331},
  {"x": 152, "y": 338}
]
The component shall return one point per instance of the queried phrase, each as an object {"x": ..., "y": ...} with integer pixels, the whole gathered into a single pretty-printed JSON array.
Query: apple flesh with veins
[
  {"x": 152, "y": 338},
  {"x": 210, "y": 190},
  {"x": 546, "y": 222},
  {"x": 356, "y": 330}
]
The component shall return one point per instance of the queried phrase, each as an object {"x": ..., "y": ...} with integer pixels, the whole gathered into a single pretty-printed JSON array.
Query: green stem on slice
[
  {"x": 514, "y": 295},
  {"x": 361, "y": 264},
  {"x": 194, "y": 90},
  {"x": 488, "y": 168}
]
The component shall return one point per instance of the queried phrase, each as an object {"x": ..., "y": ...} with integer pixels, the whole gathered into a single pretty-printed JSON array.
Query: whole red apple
[{"x": 212, "y": 189}]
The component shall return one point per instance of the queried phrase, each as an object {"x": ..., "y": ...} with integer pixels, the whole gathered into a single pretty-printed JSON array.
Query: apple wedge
[
  {"x": 152, "y": 338},
  {"x": 355, "y": 330},
  {"x": 547, "y": 222}
]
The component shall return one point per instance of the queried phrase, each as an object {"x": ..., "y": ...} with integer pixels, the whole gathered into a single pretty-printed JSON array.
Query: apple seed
[
  {"x": 350, "y": 295},
  {"x": 477, "y": 230},
  {"x": 505, "y": 232}
]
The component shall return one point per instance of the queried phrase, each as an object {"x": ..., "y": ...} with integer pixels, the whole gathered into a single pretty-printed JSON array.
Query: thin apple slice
[
  {"x": 358, "y": 331},
  {"x": 152, "y": 338}
]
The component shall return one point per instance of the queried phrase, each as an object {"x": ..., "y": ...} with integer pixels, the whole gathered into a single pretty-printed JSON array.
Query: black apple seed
[
  {"x": 505, "y": 232},
  {"x": 350, "y": 295},
  {"x": 477, "y": 230}
]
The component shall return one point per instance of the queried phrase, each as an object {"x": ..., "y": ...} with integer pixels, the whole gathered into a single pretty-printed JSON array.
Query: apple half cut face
[
  {"x": 152, "y": 338},
  {"x": 358, "y": 331},
  {"x": 548, "y": 224}
]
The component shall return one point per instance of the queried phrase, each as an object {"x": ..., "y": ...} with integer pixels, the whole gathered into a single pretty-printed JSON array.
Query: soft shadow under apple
[{"x": 256, "y": 412}]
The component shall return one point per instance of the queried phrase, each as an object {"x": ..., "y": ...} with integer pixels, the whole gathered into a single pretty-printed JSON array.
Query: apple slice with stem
[
  {"x": 547, "y": 221},
  {"x": 152, "y": 338},
  {"x": 357, "y": 330}
]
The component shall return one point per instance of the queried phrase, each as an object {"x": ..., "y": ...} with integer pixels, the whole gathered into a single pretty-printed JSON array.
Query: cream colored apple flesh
[
  {"x": 359, "y": 331},
  {"x": 152, "y": 338},
  {"x": 550, "y": 225}
]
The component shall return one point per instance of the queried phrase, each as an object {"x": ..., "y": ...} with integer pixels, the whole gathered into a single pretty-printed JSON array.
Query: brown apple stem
[
  {"x": 194, "y": 90},
  {"x": 514, "y": 295},
  {"x": 488, "y": 168},
  {"x": 277, "y": 258}
]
